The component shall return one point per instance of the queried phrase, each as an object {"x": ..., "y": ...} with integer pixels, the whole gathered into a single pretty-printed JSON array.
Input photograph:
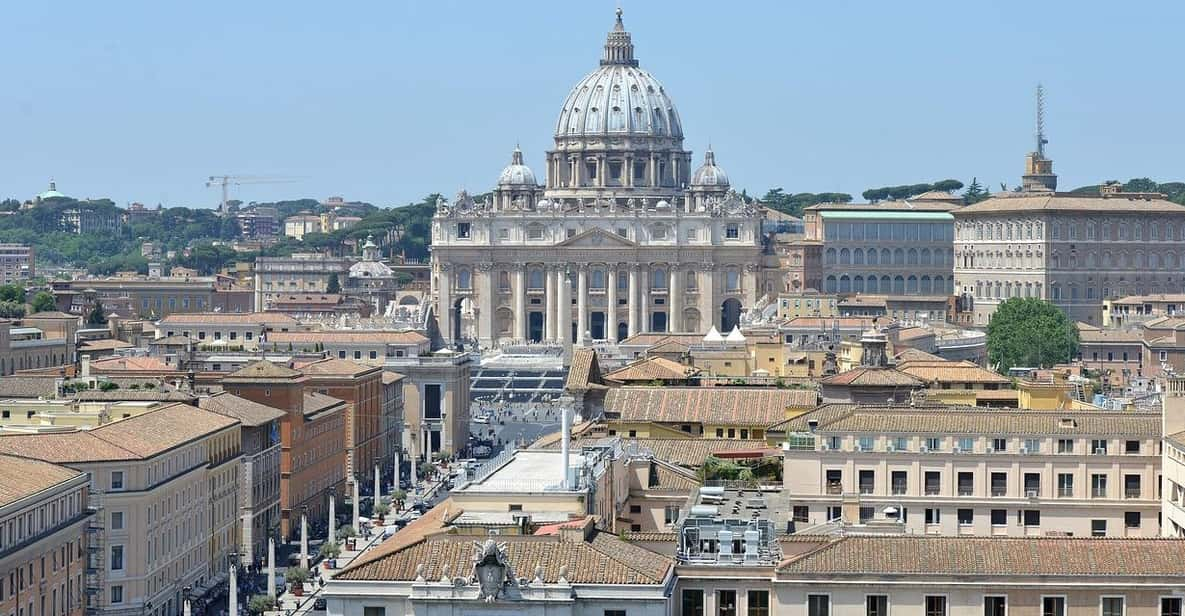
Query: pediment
[{"x": 597, "y": 238}]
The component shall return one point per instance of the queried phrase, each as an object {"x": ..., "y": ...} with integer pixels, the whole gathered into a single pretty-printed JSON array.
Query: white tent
[
  {"x": 735, "y": 335},
  {"x": 713, "y": 336}
]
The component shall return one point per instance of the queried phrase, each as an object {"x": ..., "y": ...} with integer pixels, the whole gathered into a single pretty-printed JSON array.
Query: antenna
[{"x": 1041, "y": 140}]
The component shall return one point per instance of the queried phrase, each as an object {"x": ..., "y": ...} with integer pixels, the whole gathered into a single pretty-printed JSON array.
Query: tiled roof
[
  {"x": 822, "y": 323},
  {"x": 913, "y": 333},
  {"x": 248, "y": 412},
  {"x": 1109, "y": 335},
  {"x": 869, "y": 376},
  {"x": 335, "y": 367},
  {"x": 951, "y": 372},
  {"x": 344, "y": 337},
  {"x": 706, "y": 405},
  {"x": 130, "y": 364},
  {"x": 28, "y": 386},
  {"x": 822, "y": 415},
  {"x": 652, "y": 368},
  {"x": 1038, "y": 202},
  {"x": 53, "y": 314},
  {"x": 264, "y": 370},
  {"x": 656, "y": 339},
  {"x": 1177, "y": 438},
  {"x": 176, "y": 339},
  {"x": 921, "y": 555},
  {"x": 974, "y": 420},
  {"x": 669, "y": 346},
  {"x": 134, "y": 438},
  {"x": 316, "y": 402},
  {"x": 601, "y": 559},
  {"x": 585, "y": 372},
  {"x": 23, "y": 477},
  {"x": 391, "y": 377},
  {"x": 881, "y": 207},
  {"x": 329, "y": 299},
  {"x": 672, "y": 478},
  {"x": 229, "y": 318},
  {"x": 107, "y": 344},
  {"x": 651, "y": 537},
  {"x": 1150, "y": 299},
  {"x": 686, "y": 452},
  {"x": 912, "y": 354},
  {"x": 133, "y": 395}
]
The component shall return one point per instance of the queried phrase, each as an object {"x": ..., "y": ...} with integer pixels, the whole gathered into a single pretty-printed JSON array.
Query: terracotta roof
[
  {"x": 53, "y": 314},
  {"x": 176, "y": 339},
  {"x": 869, "y": 376},
  {"x": 889, "y": 555},
  {"x": 913, "y": 333},
  {"x": 887, "y": 206},
  {"x": 669, "y": 346},
  {"x": 671, "y": 478},
  {"x": 1150, "y": 299},
  {"x": 133, "y": 395},
  {"x": 24, "y": 477},
  {"x": 1038, "y": 202},
  {"x": 940, "y": 419},
  {"x": 706, "y": 405},
  {"x": 330, "y": 299},
  {"x": 435, "y": 521},
  {"x": 131, "y": 364},
  {"x": 335, "y": 367},
  {"x": 652, "y": 536},
  {"x": 584, "y": 373},
  {"x": 822, "y": 414},
  {"x": 341, "y": 337},
  {"x": 28, "y": 386},
  {"x": 652, "y": 368},
  {"x": 316, "y": 403},
  {"x": 1177, "y": 438},
  {"x": 264, "y": 370},
  {"x": 230, "y": 318},
  {"x": 134, "y": 438},
  {"x": 912, "y": 354},
  {"x": 601, "y": 559},
  {"x": 106, "y": 344},
  {"x": 655, "y": 339},
  {"x": 248, "y": 412},
  {"x": 826, "y": 323},
  {"x": 1100, "y": 336},
  {"x": 391, "y": 377},
  {"x": 952, "y": 372}
]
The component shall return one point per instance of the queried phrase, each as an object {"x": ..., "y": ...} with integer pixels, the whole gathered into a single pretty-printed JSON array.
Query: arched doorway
[
  {"x": 658, "y": 321},
  {"x": 597, "y": 325},
  {"x": 535, "y": 326},
  {"x": 456, "y": 320},
  {"x": 730, "y": 314}
]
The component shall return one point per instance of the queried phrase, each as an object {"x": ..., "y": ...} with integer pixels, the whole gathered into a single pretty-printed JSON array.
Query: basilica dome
[
  {"x": 619, "y": 98},
  {"x": 516, "y": 173},
  {"x": 709, "y": 174}
]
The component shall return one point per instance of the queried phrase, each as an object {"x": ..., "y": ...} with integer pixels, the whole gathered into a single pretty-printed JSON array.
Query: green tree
[
  {"x": 1141, "y": 185},
  {"x": 1030, "y": 332},
  {"x": 949, "y": 186},
  {"x": 334, "y": 285},
  {"x": 96, "y": 316},
  {"x": 260, "y": 604},
  {"x": 11, "y": 310},
  {"x": 44, "y": 302},
  {"x": 975, "y": 192},
  {"x": 12, "y": 293}
]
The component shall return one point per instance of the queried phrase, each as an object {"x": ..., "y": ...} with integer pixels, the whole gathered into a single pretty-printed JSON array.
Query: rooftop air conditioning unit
[
  {"x": 1100, "y": 451},
  {"x": 924, "y": 449},
  {"x": 1024, "y": 451},
  {"x": 824, "y": 447},
  {"x": 990, "y": 450},
  {"x": 956, "y": 450},
  {"x": 1031, "y": 493},
  {"x": 890, "y": 448}
]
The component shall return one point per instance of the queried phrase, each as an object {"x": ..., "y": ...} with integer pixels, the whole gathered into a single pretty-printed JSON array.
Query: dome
[
  {"x": 52, "y": 193},
  {"x": 619, "y": 98},
  {"x": 370, "y": 269},
  {"x": 516, "y": 173},
  {"x": 709, "y": 173}
]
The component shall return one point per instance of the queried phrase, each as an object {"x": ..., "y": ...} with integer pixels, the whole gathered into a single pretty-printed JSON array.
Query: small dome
[
  {"x": 709, "y": 173},
  {"x": 52, "y": 193},
  {"x": 370, "y": 269},
  {"x": 516, "y": 173}
]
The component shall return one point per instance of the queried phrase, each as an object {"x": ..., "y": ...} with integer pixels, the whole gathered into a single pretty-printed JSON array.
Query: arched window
[
  {"x": 857, "y": 257},
  {"x": 899, "y": 285},
  {"x": 845, "y": 284},
  {"x": 925, "y": 256},
  {"x": 886, "y": 284},
  {"x": 925, "y": 287},
  {"x": 886, "y": 257},
  {"x": 692, "y": 281},
  {"x": 911, "y": 257},
  {"x": 829, "y": 256},
  {"x": 911, "y": 285},
  {"x": 872, "y": 254},
  {"x": 732, "y": 280},
  {"x": 858, "y": 284},
  {"x": 871, "y": 285},
  {"x": 830, "y": 285},
  {"x": 898, "y": 257}
]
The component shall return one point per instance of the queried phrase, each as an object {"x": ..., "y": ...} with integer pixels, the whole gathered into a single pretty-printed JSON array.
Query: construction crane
[{"x": 226, "y": 181}]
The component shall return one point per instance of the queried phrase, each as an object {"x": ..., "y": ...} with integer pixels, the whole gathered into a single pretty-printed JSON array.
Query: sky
[{"x": 388, "y": 101}]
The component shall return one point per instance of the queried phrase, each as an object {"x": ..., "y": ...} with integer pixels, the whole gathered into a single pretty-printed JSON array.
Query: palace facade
[{"x": 623, "y": 237}]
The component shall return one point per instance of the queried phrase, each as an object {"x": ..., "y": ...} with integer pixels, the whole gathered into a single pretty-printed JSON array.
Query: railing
[
  {"x": 834, "y": 488},
  {"x": 1131, "y": 493}
]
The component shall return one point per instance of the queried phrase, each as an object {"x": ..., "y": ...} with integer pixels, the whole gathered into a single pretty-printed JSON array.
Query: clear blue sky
[{"x": 388, "y": 101}]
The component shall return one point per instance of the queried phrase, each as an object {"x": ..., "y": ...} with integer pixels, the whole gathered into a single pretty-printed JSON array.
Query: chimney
[
  {"x": 84, "y": 366},
  {"x": 565, "y": 445}
]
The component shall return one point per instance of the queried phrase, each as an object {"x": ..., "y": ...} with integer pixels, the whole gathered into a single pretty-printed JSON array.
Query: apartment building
[
  {"x": 967, "y": 471},
  {"x": 145, "y": 296},
  {"x": 312, "y": 434},
  {"x": 43, "y": 525},
  {"x": 1173, "y": 459},
  {"x": 259, "y": 477},
  {"x": 362, "y": 386},
  {"x": 372, "y": 347},
  {"x": 248, "y": 329},
  {"x": 163, "y": 489},
  {"x": 17, "y": 263},
  {"x": 24, "y": 347},
  {"x": 299, "y": 273}
]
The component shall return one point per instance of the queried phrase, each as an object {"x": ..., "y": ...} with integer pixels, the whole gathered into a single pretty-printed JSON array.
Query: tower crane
[{"x": 226, "y": 181}]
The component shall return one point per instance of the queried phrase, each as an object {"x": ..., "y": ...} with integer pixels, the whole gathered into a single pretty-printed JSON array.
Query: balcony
[
  {"x": 835, "y": 488},
  {"x": 1131, "y": 493}
]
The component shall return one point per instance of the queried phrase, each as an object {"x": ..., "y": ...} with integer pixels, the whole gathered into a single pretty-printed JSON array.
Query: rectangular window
[
  {"x": 1000, "y": 445},
  {"x": 995, "y": 606},
  {"x": 116, "y": 520},
  {"x": 1065, "y": 485},
  {"x": 116, "y": 480},
  {"x": 966, "y": 517},
  {"x": 966, "y": 444},
  {"x": 1170, "y": 606},
  {"x": 726, "y": 603},
  {"x": 1065, "y": 445},
  {"x": 1098, "y": 486},
  {"x": 966, "y": 484},
  {"x": 876, "y": 605},
  {"x": 801, "y": 513},
  {"x": 818, "y": 605},
  {"x": 1112, "y": 606},
  {"x": 898, "y": 482},
  {"x": 1053, "y": 606},
  {"x": 935, "y": 605},
  {"x": 1098, "y": 528},
  {"x": 732, "y": 232},
  {"x": 1131, "y": 486},
  {"x": 1033, "y": 445},
  {"x": 933, "y": 483},
  {"x": 759, "y": 603},
  {"x": 865, "y": 443},
  {"x": 693, "y": 602},
  {"x": 1032, "y": 485},
  {"x": 867, "y": 481},
  {"x": 1098, "y": 446},
  {"x": 1131, "y": 447},
  {"x": 999, "y": 517},
  {"x": 999, "y": 484},
  {"x": 933, "y": 444},
  {"x": 933, "y": 516},
  {"x": 374, "y": 611},
  {"x": 670, "y": 514},
  {"x": 117, "y": 594},
  {"x": 116, "y": 557},
  {"x": 433, "y": 398},
  {"x": 1031, "y": 518},
  {"x": 1131, "y": 519}
]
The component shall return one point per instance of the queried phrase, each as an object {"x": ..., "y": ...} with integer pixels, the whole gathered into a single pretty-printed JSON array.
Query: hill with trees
[{"x": 1173, "y": 191}]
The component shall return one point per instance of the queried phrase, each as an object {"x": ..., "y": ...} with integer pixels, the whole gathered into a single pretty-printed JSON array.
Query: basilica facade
[{"x": 623, "y": 237}]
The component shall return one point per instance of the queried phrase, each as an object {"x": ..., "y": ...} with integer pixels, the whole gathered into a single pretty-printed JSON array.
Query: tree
[
  {"x": 1141, "y": 185},
  {"x": 260, "y": 604},
  {"x": 1030, "y": 332},
  {"x": 11, "y": 310},
  {"x": 12, "y": 293},
  {"x": 949, "y": 186},
  {"x": 44, "y": 302},
  {"x": 345, "y": 532},
  {"x": 296, "y": 575},
  {"x": 975, "y": 192},
  {"x": 334, "y": 285},
  {"x": 96, "y": 316},
  {"x": 331, "y": 549}
]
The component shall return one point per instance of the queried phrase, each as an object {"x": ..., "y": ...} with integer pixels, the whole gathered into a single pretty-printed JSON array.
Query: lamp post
[
  {"x": 304, "y": 536},
  {"x": 332, "y": 514},
  {"x": 271, "y": 567},
  {"x": 185, "y": 609},
  {"x": 232, "y": 594}
]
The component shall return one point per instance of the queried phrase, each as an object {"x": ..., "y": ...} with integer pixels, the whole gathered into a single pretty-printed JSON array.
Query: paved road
[{"x": 516, "y": 423}]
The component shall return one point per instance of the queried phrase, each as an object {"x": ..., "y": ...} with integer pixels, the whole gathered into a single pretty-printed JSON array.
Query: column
[
  {"x": 485, "y": 304},
  {"x": 520, "y": 302},
  {"x": 611, "y": 301},
  {"x": 632, "y": 301},
  {"x": 582, "y": 303},
  {"x": 644, "y": 312},
  {"x": 563, "y": 324},
  {"x": 675, "y": 301},
  {"x": 445, "y": 306},
  {"x": 707, "y": 297},
  {"x": 551, "y": 301}
]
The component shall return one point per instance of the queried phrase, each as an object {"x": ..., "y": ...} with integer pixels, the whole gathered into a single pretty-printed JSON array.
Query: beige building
[
  {"x": 247, "y": 329},
  {"x": 303, "y": 272},
  {"x": 967, "y": 471},
  {"x": 43, "y": 538},
  {"x": 17, "y": 263},
  {"x": 164, "y": 489},
  {"x": 624, "y": 237}
]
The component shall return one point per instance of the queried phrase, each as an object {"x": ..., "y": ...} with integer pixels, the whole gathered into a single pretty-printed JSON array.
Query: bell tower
[{"x": 1039, "y": 175}]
